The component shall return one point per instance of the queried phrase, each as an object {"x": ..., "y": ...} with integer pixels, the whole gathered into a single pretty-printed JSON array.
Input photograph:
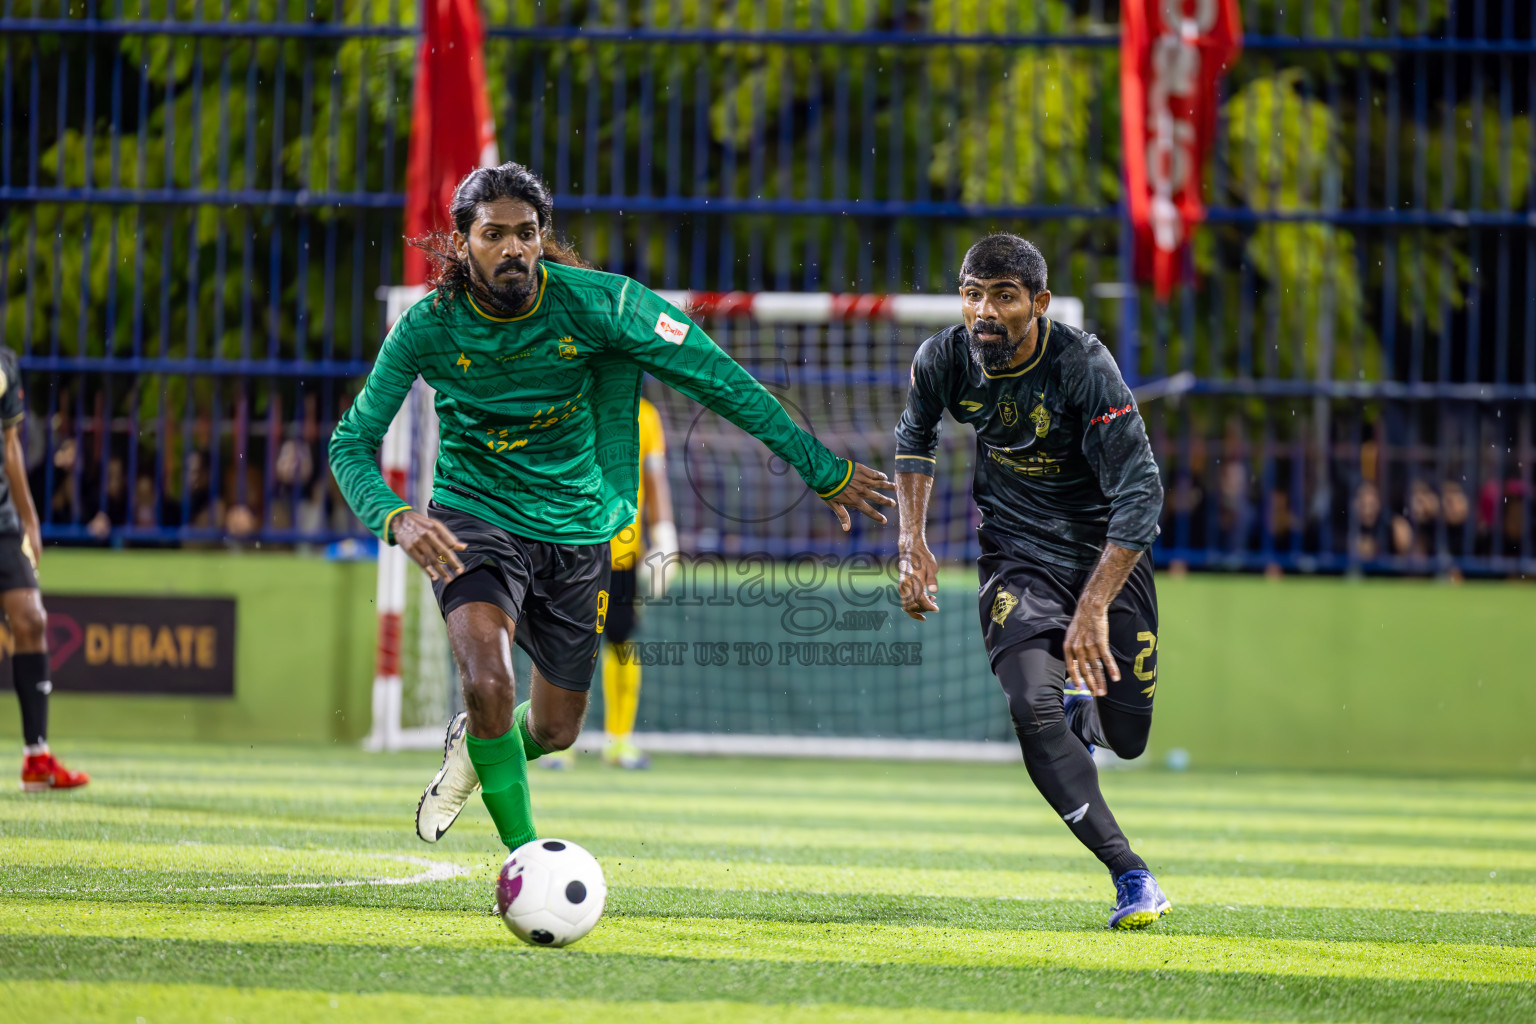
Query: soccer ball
[{"x": 551, "y": 892}]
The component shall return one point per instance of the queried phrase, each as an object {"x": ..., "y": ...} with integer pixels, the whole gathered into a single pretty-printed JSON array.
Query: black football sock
[
  {"x": 1083, "y": 722},
  {"x": 29, "y": 672},
  {"x": 1057, "y": 761}
]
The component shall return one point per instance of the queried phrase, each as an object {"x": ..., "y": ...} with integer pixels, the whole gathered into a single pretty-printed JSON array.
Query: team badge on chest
[
  {"x": 1040, "y": 416},
  {"x": 1008, "y": 411}
]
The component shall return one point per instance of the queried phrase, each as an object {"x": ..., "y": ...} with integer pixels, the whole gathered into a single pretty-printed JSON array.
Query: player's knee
[
  {"x": 29, "y": 627},
  {"x": 487, "y": 691},
  {"x": 1126, "y": 734},
  {"x": 556, "y": 735},
  {"x": 1030, "y": 718}
]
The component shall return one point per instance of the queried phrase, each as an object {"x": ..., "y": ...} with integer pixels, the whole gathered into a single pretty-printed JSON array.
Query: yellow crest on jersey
[
  {"x": 1040, "y": 416},
  {"x": 1008, "y": 411},
  {"x": 1003, "y": 605},
  {"x": 567, "y": 347}
]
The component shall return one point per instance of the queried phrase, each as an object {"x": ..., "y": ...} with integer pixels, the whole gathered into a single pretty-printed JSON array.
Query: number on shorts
[
  {"x": 1150, "y": 639},
  {"x": 602, "y": 611}
]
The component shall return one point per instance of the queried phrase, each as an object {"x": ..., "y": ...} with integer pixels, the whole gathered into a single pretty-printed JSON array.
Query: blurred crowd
[
  {"x": 1228, "y": 506},
  {"x": 1403, "y": 516},
  {"x": 91, "y": 491}
]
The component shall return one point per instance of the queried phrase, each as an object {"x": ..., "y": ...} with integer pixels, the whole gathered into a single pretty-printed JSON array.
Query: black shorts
[
  {"x": 557, "y": 594},
  {"x": 623, "y": 612},
  {"x": 1022, "y": 597},
  {"x": 16, "y": 571}
]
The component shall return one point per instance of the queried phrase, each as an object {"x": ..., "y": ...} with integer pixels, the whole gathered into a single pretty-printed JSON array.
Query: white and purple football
[{"x": 551, "y": 892}]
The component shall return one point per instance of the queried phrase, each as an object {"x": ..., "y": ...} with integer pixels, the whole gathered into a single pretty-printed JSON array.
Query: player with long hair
[{"x": 537, "y": 362}]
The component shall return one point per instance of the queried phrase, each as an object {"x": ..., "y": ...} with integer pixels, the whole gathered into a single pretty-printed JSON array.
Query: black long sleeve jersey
[{"x": 1078, "y": 470}]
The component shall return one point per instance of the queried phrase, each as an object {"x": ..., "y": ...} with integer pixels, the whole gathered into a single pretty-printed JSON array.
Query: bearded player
[
  {"x": 21, "y": 541},
  {"x": 1069, "y": 496},
  {"x": 537, "y": 365}
]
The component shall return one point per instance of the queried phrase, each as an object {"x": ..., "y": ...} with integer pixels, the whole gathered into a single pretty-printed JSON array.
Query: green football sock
[
  {"x": 520, "y": 718},
  {"x": 503, "y": 772}
]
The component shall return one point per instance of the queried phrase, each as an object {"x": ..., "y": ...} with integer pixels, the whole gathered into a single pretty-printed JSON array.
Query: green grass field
[{"x": 217, "y": 884}]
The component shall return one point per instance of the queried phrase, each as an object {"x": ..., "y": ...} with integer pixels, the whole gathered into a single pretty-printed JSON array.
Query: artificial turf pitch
[{"x": 222, "y": 883}]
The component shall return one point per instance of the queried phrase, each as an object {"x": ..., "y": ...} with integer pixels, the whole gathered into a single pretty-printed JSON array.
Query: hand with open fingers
[
  {"x": 429, "y": 543},
  {"x": 862, "y": 493},
  {"x": 1090, "y": 662},
  {"x": 919, "y": 580}
]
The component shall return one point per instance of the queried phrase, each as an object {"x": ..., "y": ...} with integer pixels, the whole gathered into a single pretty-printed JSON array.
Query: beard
[
  {"x": 508, "y": 295},
  {"x": 992, "y": 355}
]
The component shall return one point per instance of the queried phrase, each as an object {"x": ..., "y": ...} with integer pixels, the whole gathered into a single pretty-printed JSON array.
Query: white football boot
[{"x": 451, "y": 787}]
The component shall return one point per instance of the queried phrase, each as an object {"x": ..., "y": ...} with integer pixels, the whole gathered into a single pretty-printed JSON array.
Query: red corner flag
[
  {"x": 451, "y": 129},
  {"x": 1172, "y": 54}
]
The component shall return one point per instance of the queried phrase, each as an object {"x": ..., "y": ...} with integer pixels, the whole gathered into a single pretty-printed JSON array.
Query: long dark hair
[{"x": 446, "y": 271}]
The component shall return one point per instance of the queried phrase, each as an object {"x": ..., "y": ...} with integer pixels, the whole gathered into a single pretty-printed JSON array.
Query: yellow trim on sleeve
[
  {"x": 385, "y": 531},
  {"x": 925, "y": 458},
  {"x": 543, "y": 280},
  {"x": 846, "y": 477},
  {"x": 1032, "y": 363}
]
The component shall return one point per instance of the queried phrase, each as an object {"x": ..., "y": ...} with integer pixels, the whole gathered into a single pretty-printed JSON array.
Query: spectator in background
[
  {"x": 1367, "y": 517},
  {"x": 200, "y": 511},
  {"x": 1491, "y": 499},
  {"x": 293, "y": 506},
  {"x": 56, "y": 505},
  {"x": 1236, "y": 511},
  {"x": 1413, "y": 529},
  {"x": 1455, "y": 508},
  {"x": 113, "y": 508},
  {"x": 1501, "y": 517},
  {"x": 244, "y": 515}
]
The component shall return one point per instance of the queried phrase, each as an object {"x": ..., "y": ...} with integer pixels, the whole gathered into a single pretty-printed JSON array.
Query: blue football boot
[{"x": 1138, "y": 901}]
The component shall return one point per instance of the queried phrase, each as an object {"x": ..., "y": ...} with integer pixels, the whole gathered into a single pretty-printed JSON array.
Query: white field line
[{"x": 436, "y": 871}]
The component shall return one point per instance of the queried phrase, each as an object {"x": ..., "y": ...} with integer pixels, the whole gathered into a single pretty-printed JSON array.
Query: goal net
[{"x": 779, "y": 634}]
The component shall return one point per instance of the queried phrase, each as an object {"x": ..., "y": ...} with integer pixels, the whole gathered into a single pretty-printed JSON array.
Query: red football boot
[{"x": 40, "y": 772}]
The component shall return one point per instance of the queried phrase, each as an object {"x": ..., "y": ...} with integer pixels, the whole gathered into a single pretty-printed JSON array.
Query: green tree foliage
[{"x": 1021, "y": 126}]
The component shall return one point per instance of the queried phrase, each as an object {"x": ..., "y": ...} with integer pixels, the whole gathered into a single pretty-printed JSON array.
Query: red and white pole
[{"x": 388, "y": 688}]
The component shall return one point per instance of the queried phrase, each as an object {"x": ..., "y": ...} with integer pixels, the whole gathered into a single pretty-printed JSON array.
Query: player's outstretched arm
[
  {"x": 863, "y": 493},
  {"x": 659, "y": 339},
  {"x": 919, "y": 569},
  {"x": 354, "y": 449}
]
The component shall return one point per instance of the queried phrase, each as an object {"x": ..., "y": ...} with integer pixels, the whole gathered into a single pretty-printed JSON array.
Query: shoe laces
[{"x": 1132, "y": 885}]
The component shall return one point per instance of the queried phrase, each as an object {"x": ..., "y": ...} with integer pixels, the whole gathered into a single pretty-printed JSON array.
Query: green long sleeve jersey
[{"x": 538, "y": 413}]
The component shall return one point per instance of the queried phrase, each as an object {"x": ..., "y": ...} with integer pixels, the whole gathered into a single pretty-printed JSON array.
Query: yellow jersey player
[{"x": 630, "y": 561}]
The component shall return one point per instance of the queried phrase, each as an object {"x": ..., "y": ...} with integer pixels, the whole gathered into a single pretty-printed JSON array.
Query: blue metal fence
[{"x": 199, "y": 201}]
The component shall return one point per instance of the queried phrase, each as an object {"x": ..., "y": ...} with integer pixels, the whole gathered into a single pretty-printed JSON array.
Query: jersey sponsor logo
[
  {"x": 1003, "y": 605},
  {"x": 1032, "y": 465},
  {"x": 463, "y": 361},
  {"x": 1040, "y": 416},
  {"x": 971, "y": 406},
  {"x": 1008, "y": 411},
  {"x": 670, "y": 330},
  {"x": 567, "y": 347},
  {"x": 1113, "y": 414}
]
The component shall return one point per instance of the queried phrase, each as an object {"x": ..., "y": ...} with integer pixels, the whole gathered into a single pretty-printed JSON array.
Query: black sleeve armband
[{"x": 913, "y": 463}]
